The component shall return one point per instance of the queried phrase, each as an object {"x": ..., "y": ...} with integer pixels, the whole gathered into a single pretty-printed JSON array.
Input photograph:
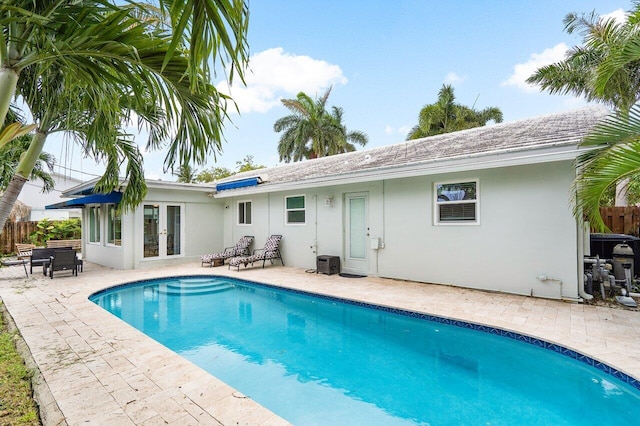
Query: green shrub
[{"x": 69, "y": 229}]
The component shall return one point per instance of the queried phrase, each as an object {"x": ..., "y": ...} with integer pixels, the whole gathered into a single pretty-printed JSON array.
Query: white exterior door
[
  {"x": 163, "y": 230},
  {"x": 356, "y": 233}
]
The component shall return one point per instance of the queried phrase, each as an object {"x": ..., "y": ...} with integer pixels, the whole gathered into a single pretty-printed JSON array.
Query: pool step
[{"x": 192, "y": 287}]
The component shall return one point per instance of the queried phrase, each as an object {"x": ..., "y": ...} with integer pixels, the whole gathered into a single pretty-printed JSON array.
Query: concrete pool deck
[{"x": 95, "y": 369}]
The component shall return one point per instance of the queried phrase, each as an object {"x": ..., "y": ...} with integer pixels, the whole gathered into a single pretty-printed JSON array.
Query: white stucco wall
[
  {"x": 117, "y": 257},
  {"x": 322, "y": 232},
  {"x": 526, "y": 230},
  {"x": 201, "y": 219}
]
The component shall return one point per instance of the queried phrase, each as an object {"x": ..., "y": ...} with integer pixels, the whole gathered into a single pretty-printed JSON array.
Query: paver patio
[{"x": 96, "y": 369}]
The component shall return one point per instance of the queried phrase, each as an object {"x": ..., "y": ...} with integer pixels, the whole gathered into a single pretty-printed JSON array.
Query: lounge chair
[
  {"x": 271, "y": 251},
  {"x": 63, "y": 260},
  {"x": 240, "y": 249}
]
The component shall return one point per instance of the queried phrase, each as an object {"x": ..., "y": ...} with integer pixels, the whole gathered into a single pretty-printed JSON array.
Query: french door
[{"x": 163, "y": 230}]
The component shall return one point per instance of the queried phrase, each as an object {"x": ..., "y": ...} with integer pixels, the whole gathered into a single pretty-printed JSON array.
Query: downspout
[
  {"x": 582, "y": 229},
  {"x": 315, "y": 240}
]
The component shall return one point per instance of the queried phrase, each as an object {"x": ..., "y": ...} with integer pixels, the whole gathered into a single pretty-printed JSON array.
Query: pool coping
[{"x": 57, "y": 313}]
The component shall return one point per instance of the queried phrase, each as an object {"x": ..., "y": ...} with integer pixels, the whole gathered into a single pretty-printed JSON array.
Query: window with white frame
[
  {"x": 244, "y": 212},
  {"x": 456, "y": 202},
  {"x": 295, "y": 210},
  {"x": 94, "y": 224},
  {"x": 114, "y": 225}
]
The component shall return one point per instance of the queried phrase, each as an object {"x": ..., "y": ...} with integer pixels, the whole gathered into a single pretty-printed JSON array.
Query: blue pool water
[{"x": 317, "y": 360}]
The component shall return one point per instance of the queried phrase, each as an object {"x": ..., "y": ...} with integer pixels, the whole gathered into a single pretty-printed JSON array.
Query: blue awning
[
  {"x": 241, "y": 183},
  {"x": 110, "y": 198}
]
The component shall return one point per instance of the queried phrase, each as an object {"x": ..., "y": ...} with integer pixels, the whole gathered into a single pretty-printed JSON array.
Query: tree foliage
[
  {"x": 616, "y": 156},
  {"x": 213, "y": 174},
  {"x": 12, "y": 148},
  {"x": 310, "y": 131},
  {"x": 217, "y": 173},
  {"x": 604, "y": 68},
  {"x": 582, "y": 73},
  {"x": 446, "y": 116},
  {"x": 247, "y": 164},
  {"x": 89, "y": 67},
  {"x": 56, "y": 230},
  {"x": 186, "y": 174}
]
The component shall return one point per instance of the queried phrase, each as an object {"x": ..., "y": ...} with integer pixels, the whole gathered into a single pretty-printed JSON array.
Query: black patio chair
[
  {"x": 40, "y": 257},
  {"x": 63, "y": 260}
]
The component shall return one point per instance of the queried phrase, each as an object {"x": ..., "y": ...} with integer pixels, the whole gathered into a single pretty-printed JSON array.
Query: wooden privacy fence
[
  {"x": 15, "y": 232},
  {"x": 622, "y": 220}
]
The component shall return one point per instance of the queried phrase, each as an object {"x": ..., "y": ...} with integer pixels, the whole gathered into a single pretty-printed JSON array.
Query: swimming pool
[{"x": 319, "y": 360}]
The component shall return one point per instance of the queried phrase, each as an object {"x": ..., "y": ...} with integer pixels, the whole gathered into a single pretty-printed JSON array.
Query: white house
[
  {"x": 33, "y": 197},
  {"x": 175, "y": 221},
  {"x": 485, "y": 208}
]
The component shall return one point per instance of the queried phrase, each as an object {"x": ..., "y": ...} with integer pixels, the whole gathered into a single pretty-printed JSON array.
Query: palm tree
[
  {"x": 10, "y": 157},
  {"x": 12, "y": 148},
  {"x": 311, "y": 132},
  {"x": 616, "y": 156},
  {"x": 87, "y": 67},
  {"x": 445, "y": 116},
  {"x": 186, "y": 173},
  {"x": 343, "y": 143},
  {"x": 596, "y": 70},
  {"x": 583, "y": 67}
]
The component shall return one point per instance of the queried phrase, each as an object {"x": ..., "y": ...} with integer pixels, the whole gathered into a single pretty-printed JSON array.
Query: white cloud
[
  {"x": 548, "y": 56},
  {"x": 523, "y": 71},
  {"x": 619, "y": 15},
  {"x": 402, "y": 130},
  {"x": 574, "y": 103},
  {"x": 275, "y": 74},
  {"x": 452, "y": 78}
]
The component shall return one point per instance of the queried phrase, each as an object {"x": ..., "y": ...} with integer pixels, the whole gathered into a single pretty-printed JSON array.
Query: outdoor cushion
[
  {"x": 240, "y": 249},
  {"x": 271, "y": 251}
]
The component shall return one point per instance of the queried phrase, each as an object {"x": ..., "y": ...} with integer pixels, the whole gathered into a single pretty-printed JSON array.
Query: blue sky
[{"x": 385, "y": 60}]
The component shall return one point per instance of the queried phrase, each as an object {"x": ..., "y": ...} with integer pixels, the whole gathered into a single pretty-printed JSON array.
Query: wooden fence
[
  {"x": 622, "y": 220},
  {"x": 15, "y": 232}
]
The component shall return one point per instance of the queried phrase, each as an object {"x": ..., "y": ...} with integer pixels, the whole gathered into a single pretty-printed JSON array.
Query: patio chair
[
  {"x": 40, "y": 257},
  {"x": 271, "y": 252},
  {"x": 63, "y": 260},
  {"x": 23, "y": 251},
  {"x": 240, "y": 249}
]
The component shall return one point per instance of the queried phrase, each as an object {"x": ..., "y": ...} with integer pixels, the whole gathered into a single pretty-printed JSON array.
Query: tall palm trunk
[
  {"x": 8, "y": 83},
  {"x": 25, "y": 167}
]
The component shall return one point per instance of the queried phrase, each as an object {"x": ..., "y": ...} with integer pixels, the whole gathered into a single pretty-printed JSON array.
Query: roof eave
[
  {"x": 489, "y": 160},
  {"x": 153, "y": 184}
]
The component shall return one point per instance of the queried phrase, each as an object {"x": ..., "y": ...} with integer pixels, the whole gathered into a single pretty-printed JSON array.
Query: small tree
[
  {"x": 247, "y": 164},
  {"x": 213, "y": 174}
]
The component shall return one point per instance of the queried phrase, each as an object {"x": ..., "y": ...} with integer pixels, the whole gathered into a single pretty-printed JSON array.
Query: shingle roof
[{"x": 564, "y": 129}]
